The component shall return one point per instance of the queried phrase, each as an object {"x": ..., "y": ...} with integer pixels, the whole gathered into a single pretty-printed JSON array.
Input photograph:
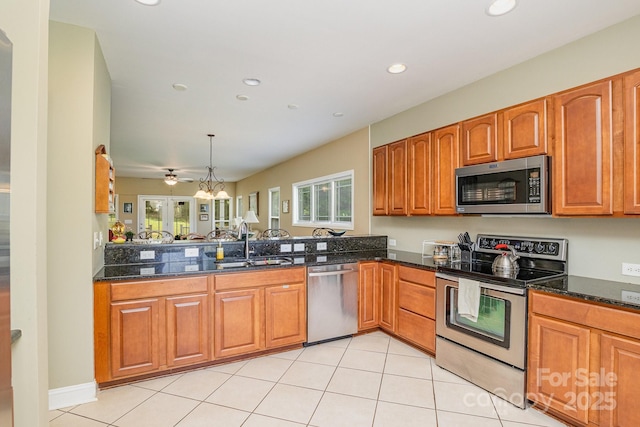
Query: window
[
  {"x": 325, "y": 202},
  {"x": 274, "y": 207},
  {"x": 222, "y": 214},
  {"x": 239, "y": 207}
]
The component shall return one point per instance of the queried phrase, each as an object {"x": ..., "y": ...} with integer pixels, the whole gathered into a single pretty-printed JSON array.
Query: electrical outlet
[
  {"x": 191, "y": 252},
  {"x": 630, "y": 269},
  {"x": 629, "y": 296},
  {"x": 392, "y": 242},
  {"x": 321, "y": 246},
  {"x": 147, "y": 254},
  {"x": 298, "y": 247},
  {"x": 285, "y": 247}
]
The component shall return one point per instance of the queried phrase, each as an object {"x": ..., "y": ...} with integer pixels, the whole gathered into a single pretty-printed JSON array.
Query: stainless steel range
[{"x": 481, "y": 311}]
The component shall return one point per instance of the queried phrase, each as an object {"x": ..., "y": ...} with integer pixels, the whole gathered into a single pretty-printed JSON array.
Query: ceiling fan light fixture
[
  {"x": 501, "y": 7},
  {"x": 170, "y": 178}
]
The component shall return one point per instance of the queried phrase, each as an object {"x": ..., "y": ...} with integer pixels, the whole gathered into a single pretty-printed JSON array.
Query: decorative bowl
[{"x": 336, "y": 233}]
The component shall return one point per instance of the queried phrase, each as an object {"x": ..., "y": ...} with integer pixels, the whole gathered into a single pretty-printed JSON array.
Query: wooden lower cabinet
[
  {"x": 583, "y": 360},
  {"x": 238, "y": 322},
  {"x": 135, "y": 337},
  {"x": 558, "y": 352},
  {"x": 620, "y": 362},
  {"x": 187, "y": 320},
  {"x": 388, "y": 286},
  {"x": 416, "y": 311},
  {"x": 259, "y": 310},
  {"x": 285, "y": 315},
  {"x": 368, "y": 295}
]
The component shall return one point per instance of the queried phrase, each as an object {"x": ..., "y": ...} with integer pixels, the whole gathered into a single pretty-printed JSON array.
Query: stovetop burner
[{"x": 541, "y": 260}]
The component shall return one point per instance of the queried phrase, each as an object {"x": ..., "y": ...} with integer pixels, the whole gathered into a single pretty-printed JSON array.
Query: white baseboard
[{"x": 73, "y": 395}]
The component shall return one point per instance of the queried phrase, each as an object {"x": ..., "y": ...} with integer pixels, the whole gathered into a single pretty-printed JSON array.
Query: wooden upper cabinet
[
  {"x": 632, "y": 143},
  {"x": 445, "y": 161},
  {"x": 380, "y": 183},
  {"x": 524, "y": 130},
  {"x": 419, "y": 174},
  {"x": 105, "y": 182},
  {"x": 397, "y": 179},
  {"x": 582, "y": 166},
  {"x": 480, "y": 140}
]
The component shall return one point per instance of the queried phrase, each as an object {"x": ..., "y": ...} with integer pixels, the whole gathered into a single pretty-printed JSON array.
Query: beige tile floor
[{"x": 369, "y": 380}]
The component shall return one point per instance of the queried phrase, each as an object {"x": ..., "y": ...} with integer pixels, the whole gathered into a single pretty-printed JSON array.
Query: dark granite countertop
[
  {"x": 590, "y": 289},
  {"x": 585, "y": 288}
]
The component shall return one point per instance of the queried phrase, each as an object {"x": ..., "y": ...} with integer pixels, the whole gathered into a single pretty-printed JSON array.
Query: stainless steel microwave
[{"x": 519, "y": 186}]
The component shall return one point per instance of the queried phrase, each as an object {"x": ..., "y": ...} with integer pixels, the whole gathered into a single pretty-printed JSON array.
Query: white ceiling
[{"x": 326, "y": 56}]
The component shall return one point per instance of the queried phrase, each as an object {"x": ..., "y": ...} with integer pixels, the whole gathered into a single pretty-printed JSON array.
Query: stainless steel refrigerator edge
[
  {"x": 332, "y": 302},
  {"x": 6, "y": 390}
]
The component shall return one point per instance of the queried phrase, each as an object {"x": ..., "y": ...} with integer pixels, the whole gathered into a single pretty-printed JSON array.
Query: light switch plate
[
  {"x": 285, "y": 247},
  {"x": 190, "y": 252},
  {"x": 298, "y": 247},
  {"x": 147, "y": 254}
]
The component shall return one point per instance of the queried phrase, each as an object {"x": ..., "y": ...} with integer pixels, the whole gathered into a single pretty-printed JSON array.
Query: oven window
[{"x": 493, "y": 322}]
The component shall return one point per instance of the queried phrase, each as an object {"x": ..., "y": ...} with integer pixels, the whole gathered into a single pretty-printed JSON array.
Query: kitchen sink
[{"x": 276, "y": 260}]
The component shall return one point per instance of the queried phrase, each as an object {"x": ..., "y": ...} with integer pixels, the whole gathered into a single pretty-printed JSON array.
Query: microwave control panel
[{"x": 534, "y": 194}]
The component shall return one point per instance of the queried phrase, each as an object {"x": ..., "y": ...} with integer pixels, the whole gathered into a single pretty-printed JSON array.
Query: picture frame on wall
[
  {"x": 285, "y": 206},
  {"x": 204, "y": 208},
  {"x": 204, "y": 217},
  {"x": 127, "y": 207},
  {"x": 253, "y": 202}
]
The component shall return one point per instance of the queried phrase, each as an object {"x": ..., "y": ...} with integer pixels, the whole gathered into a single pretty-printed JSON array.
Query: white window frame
[
  {"x": 226, "y": 222},
  {"x": 331, "y": 179},
  {"x": 271, "y": 191},
  {"x": 239, "y": 206}
]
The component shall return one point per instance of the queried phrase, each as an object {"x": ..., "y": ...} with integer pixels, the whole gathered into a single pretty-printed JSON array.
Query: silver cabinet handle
[{"x": 330, "y": 273}]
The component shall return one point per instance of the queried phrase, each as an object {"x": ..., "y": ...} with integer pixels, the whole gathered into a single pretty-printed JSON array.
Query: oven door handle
[{"x": 485, "y": 285}]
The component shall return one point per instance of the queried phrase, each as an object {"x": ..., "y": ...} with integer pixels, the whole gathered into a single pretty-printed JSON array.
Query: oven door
[{"x": 499, "y": 332}]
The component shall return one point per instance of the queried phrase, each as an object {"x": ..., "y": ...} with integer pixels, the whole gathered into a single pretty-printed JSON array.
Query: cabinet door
[
  {"x": 419, "y": 175},
  {"x": 480, "y": 140},
  {"x": 558, "y": 362},
  {"x": 285, "y": 314},
  {"x": 388, "y": 278},
  {"x": 398, "y": 178},
  {"x": 445, "y": 162},
  {"x": 380, "y": 184},
  {"x": 368, "y": 296},
  {"x": 238, "y": 322},
  {"x": 582, "y": 163},
  {"x": 525, "y": 130},
  {"x": 187, "y": 329},
  {"x": 632, "y": 144},
  {"x": 618, "y": 379},
  {"x": 135, "y": 337}
]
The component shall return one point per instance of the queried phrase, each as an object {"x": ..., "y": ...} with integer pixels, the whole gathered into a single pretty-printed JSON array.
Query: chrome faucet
[{"x": 244, "y": 226}]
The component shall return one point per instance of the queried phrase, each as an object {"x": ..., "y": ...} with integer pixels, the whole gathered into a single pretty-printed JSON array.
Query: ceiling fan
[{"x": 172, "y": 179}]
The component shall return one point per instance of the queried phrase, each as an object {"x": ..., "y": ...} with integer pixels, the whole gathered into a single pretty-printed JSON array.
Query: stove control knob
[
  {"x": 552, "y": 249},
  {"x": 540, "y": 248}
]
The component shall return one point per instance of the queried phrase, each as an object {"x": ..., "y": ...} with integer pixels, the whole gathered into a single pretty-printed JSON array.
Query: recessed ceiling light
[
  {"x": 338, "y": 114},
  {"x": 179, "y": 87},
  {"x": 397, "y": 68},
  {"x": 242, "y": 97},
  {"x": 251, "y": 82},
  {"x": 149, "y": 2},
  {"x": 500, "y": 7},
  {"x": 293, "y": 106}
]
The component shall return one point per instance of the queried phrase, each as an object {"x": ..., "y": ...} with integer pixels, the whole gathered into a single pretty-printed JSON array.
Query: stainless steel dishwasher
[{"x": 332, "y": 302}]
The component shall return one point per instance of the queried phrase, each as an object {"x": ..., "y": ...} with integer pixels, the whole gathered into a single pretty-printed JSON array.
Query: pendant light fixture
[{"x": 209, "y": 184}]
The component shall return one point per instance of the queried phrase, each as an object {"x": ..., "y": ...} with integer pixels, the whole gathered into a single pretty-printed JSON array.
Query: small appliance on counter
[{"x": 442, "y": 251}]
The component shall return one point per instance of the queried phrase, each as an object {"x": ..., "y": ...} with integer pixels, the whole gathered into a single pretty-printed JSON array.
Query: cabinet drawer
[
  {"x": 254, "y": 279},
  {"x": 418, "y": 329},
  {"x": 417, "y": 298},
  {"x": 416, "y": 275},
  {"x": 158, "y": 288}
]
